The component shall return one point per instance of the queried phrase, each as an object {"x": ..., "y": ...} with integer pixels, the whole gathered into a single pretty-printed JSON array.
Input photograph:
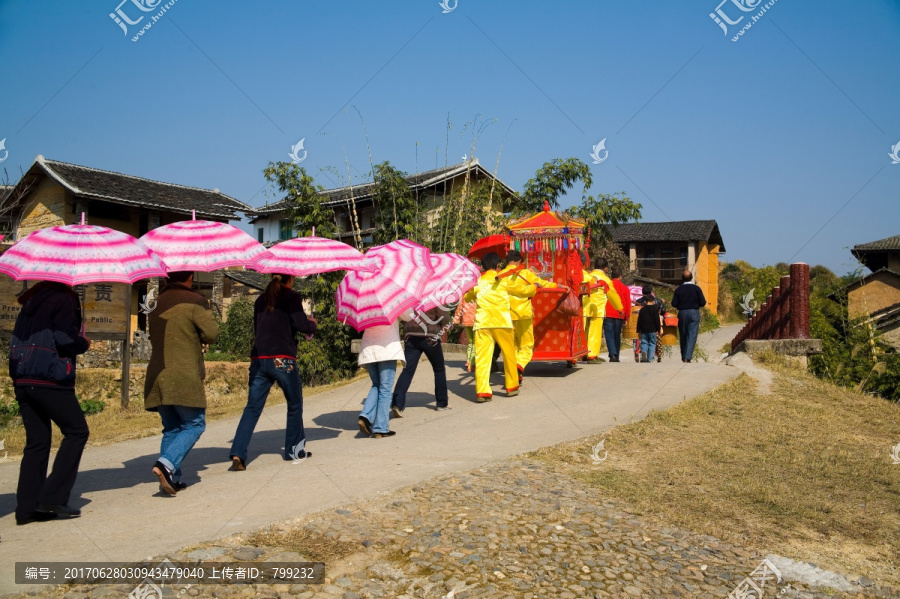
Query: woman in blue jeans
[
  {"x": 278, "y": 317},
  {"x": 380, "y": 350}
]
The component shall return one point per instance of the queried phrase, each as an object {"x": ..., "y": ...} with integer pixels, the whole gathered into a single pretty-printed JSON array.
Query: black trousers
[
  {"x": 39, "y": 407},
  {"x": 414, "y": 347}
]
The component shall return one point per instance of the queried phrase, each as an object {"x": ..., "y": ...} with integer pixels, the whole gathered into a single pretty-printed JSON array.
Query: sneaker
[
  {"x": 442, "y": 408},
  {"x": 512, "y": 392},
  {"x": 237, "y": 464},
  {"x": 165, "y": 478},
  {"x": 596, "y": 360},
  {"x": 365, "y": 427},
  {"x": 483, "y": 398},
  {"x": 384, "y": 434},
  {"x": 396, "y": 412}
]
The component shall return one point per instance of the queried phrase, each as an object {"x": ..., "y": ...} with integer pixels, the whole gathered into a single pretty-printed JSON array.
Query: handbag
[{"x": 569, "y": 304}]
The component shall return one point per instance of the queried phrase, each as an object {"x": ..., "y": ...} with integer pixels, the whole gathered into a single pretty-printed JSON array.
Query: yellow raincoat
[
  {"x": 594, "y": 306},
  {"x": 523, "y": 314},
  {"x": 493, "y": 324}
]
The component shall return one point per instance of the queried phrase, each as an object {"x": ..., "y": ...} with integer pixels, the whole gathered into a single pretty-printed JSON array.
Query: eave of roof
[
  {"x": 882, "y": 245},
  {"x": 50, "y": 168},
  {"x": 686, "y": 230},
  {"x": 363, "y": 191}
]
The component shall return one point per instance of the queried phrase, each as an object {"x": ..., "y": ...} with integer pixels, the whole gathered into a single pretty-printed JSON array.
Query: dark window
[
  {"x": 667, "y": 263},
  {"x": 260, "y": 235},
  {"x": 649, "y": 258},
  {"x": 108, "y": 210},
  {"x": 684, "y": 255},
  {"x": 286, "y": 231}
]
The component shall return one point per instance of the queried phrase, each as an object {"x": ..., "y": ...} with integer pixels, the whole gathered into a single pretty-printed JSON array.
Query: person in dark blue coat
[
  {"x": 278, "y": 318},
  {"x": 688, "y": 299},
  {"x": 46, "y": 339}
]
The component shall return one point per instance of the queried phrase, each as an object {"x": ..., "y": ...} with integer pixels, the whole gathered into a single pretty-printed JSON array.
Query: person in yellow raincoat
[
  {"x": 493, "y": 324},
  {"x": 594, "y": 305},
  {"x": 521, "y": 309}
]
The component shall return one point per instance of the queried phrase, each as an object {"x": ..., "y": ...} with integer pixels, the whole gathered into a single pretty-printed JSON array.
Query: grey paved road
[{"x": 125, "y": 518}]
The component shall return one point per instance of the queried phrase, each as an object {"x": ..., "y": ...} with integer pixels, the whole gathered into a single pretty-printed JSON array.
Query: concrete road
[{"x": 126, "y": 518}]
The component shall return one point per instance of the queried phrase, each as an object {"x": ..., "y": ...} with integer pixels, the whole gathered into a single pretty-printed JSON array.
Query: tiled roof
[
  {"x": 91, "y": 183},
  {"x": 886, "y": 244},
  {"x": 260, "y": 281},
  {"x": 363, "y": 191},
  {"x": 685, "y": 230}
]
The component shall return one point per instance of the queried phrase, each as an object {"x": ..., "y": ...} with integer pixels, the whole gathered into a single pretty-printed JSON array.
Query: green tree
[
  {"x": 398, "y": 208},
  {"x": 327, "y": 356},
  {"x": 304, "y": 198},
  {"x": 604, "y": 212},
  {"x": 551, "y": 181},
  {"x": 468, "y": 215}
]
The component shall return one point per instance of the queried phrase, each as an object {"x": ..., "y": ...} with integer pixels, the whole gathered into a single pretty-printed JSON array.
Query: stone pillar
[
  {"x": 218, "y": 292},
  {"x": 692, "y": 257},
  {"x": 799, "y": 301},
  {"x": 153, "y": 222}
]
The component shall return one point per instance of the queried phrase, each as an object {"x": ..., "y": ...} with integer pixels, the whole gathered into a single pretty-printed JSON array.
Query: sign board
[{"x": 106, "y": 307}]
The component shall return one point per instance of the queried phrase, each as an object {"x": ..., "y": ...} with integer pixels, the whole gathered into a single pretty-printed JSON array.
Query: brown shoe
[
  {"x": 165, "y": 478},
  {"x": 365, "y": 427},
  {"x": 237, "y": 464},
  {"x": 385, "y": 434}
]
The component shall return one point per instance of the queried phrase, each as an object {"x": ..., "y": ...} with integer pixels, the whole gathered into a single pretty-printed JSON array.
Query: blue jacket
[{"x": 47, "y": 337}]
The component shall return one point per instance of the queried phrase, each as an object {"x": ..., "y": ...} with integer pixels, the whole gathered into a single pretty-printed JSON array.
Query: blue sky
[{"x": 782, "y": 137}]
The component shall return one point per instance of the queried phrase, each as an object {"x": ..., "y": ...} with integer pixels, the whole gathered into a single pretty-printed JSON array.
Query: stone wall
[{"x": 108, "y": 354}]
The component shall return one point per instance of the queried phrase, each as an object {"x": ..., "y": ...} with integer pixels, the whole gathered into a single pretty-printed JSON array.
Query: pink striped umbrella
[
  {"x": 79, "y": 254},
  {"x": 203, "y": 245},
  {"x": 309, "y": 256},
  {"x": 453, "y": 276},
  {"x": 397, "y": 275}
]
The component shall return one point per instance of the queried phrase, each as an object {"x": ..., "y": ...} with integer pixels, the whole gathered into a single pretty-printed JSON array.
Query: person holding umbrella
[
  {"x": 380, "y": 350},
  {"x": 181, "y": 323},
  {"x": 45, "y": 341},
  {"x": 278, "y": 317}
]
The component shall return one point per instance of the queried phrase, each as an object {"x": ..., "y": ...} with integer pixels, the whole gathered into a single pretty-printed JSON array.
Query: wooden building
[
  {"x": 662, "y": 251},
  {"x": 57, "y": 193},
  {"x": 431, "y": 188},
  {"x": 877, "y": 295}
]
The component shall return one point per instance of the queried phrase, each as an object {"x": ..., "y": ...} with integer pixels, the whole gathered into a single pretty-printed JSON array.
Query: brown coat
[{"x": 180, "y": 323}]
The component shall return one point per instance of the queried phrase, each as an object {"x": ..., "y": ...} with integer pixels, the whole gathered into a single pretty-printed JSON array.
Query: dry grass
[
  {"x": 313, "y": 545},
  {"x": 226, "y": 394},
  {"x": 805, "y": 472}
]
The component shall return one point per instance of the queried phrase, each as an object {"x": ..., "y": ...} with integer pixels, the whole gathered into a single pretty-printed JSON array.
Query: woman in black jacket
[
  {"x": 45, "y": 341},
  {"x": 278, "y": 317}
]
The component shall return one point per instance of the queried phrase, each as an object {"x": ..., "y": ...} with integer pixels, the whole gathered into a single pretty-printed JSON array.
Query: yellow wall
[
  {"x": 47, "y": 207},
  {"x": 881, "y": 291},
  {"x": 707, "y": 274}
]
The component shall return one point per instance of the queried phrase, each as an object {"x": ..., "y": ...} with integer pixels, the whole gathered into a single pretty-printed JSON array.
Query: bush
[
  {"x": 708, "y": 320},
  {"x": 236, "y": 334},
  {"x": 92, "y": 406}
]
